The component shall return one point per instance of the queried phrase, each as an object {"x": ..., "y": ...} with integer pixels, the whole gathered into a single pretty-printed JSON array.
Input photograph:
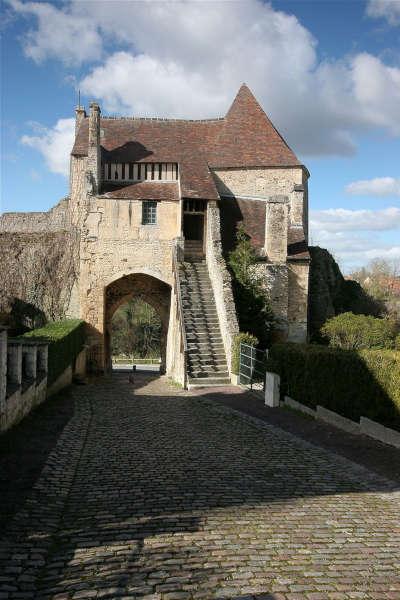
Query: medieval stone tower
[{"x": 156, "y": 203}]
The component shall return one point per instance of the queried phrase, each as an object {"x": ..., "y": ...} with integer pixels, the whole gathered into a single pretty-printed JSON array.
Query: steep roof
[
  {"x": 248, "y": 138},
  {"x": 148, "y": 190},
  {"x": 245, "y": 137}
]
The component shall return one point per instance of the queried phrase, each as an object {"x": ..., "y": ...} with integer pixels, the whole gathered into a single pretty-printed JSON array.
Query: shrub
[
  {"x": 245, "y": 338},
  {"x": 352, "y": 383},
  {"x": 65, "y": 339},
  {"x": 354, "y": 332}
]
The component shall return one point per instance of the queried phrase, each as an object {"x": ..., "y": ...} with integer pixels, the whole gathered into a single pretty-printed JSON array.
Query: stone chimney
[
  {"x": 276, "y": 230},
  {"x": 80, "y": 114},
  {"x": 94, "y": 156}
]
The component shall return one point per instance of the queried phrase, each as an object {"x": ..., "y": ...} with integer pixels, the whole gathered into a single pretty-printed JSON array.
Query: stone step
[
  {"x": 203, "y": 322},
  {"x": 200, "y": 370},
  {"x": 201, "y": 311},
  {"x": 200, "y": 315},
  {"x": 210, "y": 351},
  {"x": 207, "y": 382},
  {"x": 203, "y": 336},
  {"x": 198, "y": 301},
  {"x": 192, "y": 293},
  {"x": 207, "y": 361},
  {"x": 205, "y": 345},
  {"x": 197, "y": 288},
  {"x": 211, "y": 354}
]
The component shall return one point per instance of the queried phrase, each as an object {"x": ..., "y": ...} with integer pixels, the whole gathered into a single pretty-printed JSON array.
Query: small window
[{"x": 149, "y": 212}]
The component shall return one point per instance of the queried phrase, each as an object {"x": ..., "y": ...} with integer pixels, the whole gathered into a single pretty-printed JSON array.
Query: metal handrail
[{"x": 175, "y": 268}]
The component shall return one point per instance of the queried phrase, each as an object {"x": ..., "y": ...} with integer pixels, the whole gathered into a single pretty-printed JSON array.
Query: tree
[
  {"x": 252, "y": 305},
  {"x": 136, "y": 330},
  {"x": 381, "y": 279}
]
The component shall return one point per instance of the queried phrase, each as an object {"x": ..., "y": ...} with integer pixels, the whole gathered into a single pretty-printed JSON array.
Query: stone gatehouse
[{"x": 156, "y": 203}]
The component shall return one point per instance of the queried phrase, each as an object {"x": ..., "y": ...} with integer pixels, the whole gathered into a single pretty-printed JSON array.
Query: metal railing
[{"x": 252, "y": 367}]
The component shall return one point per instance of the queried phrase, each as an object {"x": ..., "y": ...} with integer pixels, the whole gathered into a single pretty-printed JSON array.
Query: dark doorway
[{"x": 193, "y": 227}]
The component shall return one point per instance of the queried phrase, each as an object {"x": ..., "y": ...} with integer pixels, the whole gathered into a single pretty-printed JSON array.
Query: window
[{"x": 149, "y": 212}]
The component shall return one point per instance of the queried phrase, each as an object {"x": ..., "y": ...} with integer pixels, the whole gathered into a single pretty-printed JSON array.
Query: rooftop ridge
[{"x": 117, "y": 118}]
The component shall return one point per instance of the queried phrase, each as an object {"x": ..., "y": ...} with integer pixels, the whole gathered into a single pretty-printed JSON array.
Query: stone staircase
[
  {"x": 194, "y": 250},
  {"x": 206, "y": 363}
]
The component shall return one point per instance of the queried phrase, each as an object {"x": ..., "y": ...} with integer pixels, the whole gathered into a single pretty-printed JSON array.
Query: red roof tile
[
  {"x": 245, "y": 137},
  {"x": 146, "y": 190},
  {"x": 297, "y": 245}
]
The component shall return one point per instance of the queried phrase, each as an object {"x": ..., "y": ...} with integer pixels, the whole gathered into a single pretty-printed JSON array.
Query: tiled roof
[
  {"x": 297, "y": 245},
  {"x": 146, "y": 190},
  {"x": 245, "y": 137}
]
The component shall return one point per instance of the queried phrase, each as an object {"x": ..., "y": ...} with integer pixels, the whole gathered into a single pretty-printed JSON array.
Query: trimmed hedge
[
  {"x": 245, "y": 338},
  {"x": 354, "y": 332},
  {"x": 65, "y": 339},
  {"x": 351, "y": 383}
]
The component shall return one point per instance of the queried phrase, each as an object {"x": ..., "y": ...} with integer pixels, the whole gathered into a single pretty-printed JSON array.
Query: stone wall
[
  {"x": 176, "y": 352},
  {"x": 221, "y": 281},
  {"x": 114, "y": 244},
  {"x": 260, "y": 186},
  {"x": 56, "y": 219},
  {"x": 23, "y": 378},
  {"x": 38, "y": 270},
  {"x": 298, "y": 273},
  {"x": 78, "y": 188},
  {"x": 267, "y": 201},
  {"x": 258, "y": 182}
]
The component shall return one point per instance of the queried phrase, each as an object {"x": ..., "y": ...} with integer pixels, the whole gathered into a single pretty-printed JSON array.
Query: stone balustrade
[{"x": 23, "y": 378}]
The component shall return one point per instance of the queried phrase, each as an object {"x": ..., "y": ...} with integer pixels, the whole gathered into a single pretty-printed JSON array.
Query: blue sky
[{"x": 327, "y": 73}]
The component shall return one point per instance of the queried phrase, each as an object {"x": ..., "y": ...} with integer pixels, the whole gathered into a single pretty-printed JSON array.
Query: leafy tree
[
  {"x": 136, "y": 330},
  {"x": 254, "y": 310}
]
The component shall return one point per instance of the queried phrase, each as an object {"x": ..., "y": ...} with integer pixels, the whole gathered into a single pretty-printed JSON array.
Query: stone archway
[{"x": 137, "y": 285}]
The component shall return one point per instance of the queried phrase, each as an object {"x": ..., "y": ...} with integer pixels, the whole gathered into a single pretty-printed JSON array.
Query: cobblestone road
[{"x": 158, "y": 494}]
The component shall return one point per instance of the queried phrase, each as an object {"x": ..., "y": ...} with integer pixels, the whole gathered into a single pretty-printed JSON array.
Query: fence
[{"x": 252, "y": 367}]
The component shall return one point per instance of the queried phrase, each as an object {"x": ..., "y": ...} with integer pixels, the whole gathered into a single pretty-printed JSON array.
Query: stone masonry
[{"x": 201, "y": 179}]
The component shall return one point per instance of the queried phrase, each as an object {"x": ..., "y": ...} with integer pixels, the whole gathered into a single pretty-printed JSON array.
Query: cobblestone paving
[{"x": 158, "y": 494}]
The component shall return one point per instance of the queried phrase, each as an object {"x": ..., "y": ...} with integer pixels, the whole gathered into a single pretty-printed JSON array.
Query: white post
[{"x": 272, "y": 384}]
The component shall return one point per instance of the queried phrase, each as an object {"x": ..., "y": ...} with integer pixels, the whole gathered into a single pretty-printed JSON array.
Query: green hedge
[
  {"x": 354, "y": 332},
  {"x": 246, "y": 338},
  {"x": 65, "y": 338},
  {"x": 351, "y": 383}
]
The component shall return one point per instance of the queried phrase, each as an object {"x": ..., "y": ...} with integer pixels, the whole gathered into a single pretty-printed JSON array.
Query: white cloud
[
  {"x": 54, "y": 144},
  {"x": 355, "y": 250},
  {"x": 355, "y": 237},
  {"x": 59, "y": 34},
  {"x": 386, "y": 9},
  {"x": 380, "y": 186},
  {"x": 171, "y": 59},
  {"x": 342, "y": 219}
]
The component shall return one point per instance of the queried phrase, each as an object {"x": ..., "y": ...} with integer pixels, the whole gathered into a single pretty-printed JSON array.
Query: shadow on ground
[
  {"x": 174, "y": 499},
  {"x": 25, "y": 448}
]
